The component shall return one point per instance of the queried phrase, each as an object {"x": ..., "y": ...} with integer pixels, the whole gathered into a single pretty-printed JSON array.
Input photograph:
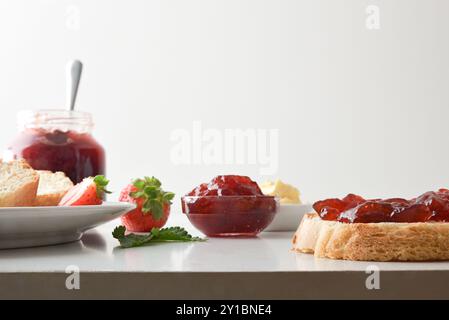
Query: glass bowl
[{"x": 230, "y": 216}]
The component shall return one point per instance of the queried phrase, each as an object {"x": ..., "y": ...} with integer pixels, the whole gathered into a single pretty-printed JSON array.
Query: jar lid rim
[
  {"x": 55, "y": 111},
  {"x": 55, "y": 118}
]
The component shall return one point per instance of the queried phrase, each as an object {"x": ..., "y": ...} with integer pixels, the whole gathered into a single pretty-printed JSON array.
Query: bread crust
[
  {"x": 25, "y": 194},
  {"x": 23, "y": 197},
  {"x": 427, "y": 241},
  {"x": 48, "y": 200}
]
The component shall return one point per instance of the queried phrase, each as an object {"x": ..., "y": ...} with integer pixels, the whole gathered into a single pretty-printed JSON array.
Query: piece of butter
[{"x": 286, "y": 193}]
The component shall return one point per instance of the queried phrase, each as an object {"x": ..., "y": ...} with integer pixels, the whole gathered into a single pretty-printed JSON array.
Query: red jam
[
  {"x": 230, "y": 185},
  {"x": 76, "y": 154},
  {"x": 229, "y": 206},
  {"x": 430, "y": 206}
]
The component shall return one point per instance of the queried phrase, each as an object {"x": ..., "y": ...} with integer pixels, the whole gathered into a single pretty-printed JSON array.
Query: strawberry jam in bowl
[{"x": 229, "y": 206}]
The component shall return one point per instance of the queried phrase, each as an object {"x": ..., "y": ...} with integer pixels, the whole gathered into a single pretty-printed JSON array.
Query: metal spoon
[{"x": 73, "y": 76}]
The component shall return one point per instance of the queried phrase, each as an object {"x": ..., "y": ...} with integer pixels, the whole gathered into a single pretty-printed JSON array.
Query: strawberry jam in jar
[{"x": 58, "y": 140}]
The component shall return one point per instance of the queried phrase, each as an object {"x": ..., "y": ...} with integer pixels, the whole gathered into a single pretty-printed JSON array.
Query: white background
[{"x": 363, "y": 111}]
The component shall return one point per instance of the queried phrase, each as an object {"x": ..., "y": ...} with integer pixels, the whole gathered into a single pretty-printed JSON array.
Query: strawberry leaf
[
  {"x": 139, "y": 184},
  {"x": 130, "y": 240},
  {"x": 168, "y": 196},
  {"x": 154, "y": 197},
  {"x": 101, "y": 182},
  {"x": 157, "y": 209},
  {"x": 119, "y": 232},
  {"x": 172, "y": 234}
]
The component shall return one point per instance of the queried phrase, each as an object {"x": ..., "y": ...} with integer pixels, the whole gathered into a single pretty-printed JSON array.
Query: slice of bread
[
  {"x": 427, "y": 241},
  {"x": 18, "y": 184},
  {"x": 52, "y": 187}
]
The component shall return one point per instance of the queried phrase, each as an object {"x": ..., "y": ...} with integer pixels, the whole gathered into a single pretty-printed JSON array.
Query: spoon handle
[{"x": 73, "y": 76}]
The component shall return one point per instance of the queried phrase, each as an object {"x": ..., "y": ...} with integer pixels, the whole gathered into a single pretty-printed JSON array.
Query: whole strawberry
[{"x": 153, "y": 205}]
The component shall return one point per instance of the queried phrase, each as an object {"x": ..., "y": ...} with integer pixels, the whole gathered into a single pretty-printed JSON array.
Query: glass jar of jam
[{"x": 58, "y": 140}]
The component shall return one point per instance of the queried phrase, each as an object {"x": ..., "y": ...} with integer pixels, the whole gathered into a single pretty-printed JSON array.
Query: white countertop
[
  {"x": 98, "y": 251},
  {"x": 252, "y": 268}
]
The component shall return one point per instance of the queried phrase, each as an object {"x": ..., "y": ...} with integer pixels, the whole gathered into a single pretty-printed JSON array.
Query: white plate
[
  {"x": 288, "y": 217},
  {"x": 38, "y": 226}
]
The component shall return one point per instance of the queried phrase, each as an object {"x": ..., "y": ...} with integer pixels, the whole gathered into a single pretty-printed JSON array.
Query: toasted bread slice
[
  {"x": 18, "y": 184},
  {"x": 372, "y": 241},
  {"x": 52, "y": 187}
]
